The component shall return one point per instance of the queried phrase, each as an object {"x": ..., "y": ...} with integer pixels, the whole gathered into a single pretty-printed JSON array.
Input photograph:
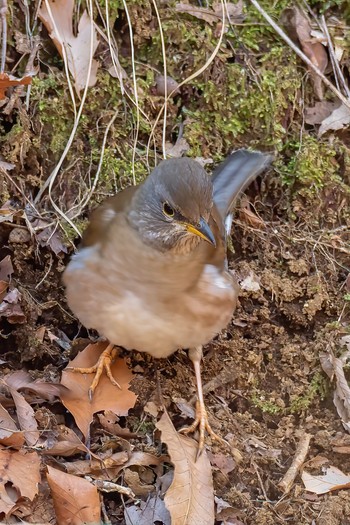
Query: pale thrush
[{"x": 152, "y": 272}]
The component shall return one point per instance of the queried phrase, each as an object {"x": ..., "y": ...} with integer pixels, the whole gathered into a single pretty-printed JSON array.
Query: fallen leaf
[
  {"x": 298, "y": 24},
  {"x": 333, "y": 479},
  {"x": 132, "y": 480},
  {"x": 3, "y": 289},
  {"x": 190, "y": 497},
  {"x": 6, "y": 268},
  {"x": 338, "y": 119},
  {"x": 98, "y": 466},
  {"x": 251, "y": 283},
  {"x": 26, "y": 418},
  {"x": 223, "y": 463},
  {"x": 7, "y": 166},
  {"x": 334, "y": 368},
  {"x": 11, "y": 309},
  {"x": 7, "y": 81},
  {"x": 76, "y": 501},
  {"x": 21, "y": 380},
  {"x": 212, "y": 16},
  {"x": 50, "y": 237},
  {"x": 109, "y": 420},
  {"x": 20, "y": 470},
  {"x": 151, "y": 511},
  {"x": 319, "y": 112},
  {"x": 106, "y": 395},
  {"x": 59, "y": 23},
  {"x": 178, "y": 149},
  {"x": 67, "y": 444},
  {"x": 10, "y": 436}
]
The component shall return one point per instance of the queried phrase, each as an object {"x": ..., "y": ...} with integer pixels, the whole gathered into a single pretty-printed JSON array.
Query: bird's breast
[{"x": 178, "y": 308}]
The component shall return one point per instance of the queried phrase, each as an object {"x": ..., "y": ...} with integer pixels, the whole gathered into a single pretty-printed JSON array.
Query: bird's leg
[
  {"x": 201, "y": 422},
  {"x": 104, "y": 363}
]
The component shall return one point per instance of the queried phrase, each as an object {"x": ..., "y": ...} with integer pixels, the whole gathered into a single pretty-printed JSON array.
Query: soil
[{"x": 263, "y": 381}]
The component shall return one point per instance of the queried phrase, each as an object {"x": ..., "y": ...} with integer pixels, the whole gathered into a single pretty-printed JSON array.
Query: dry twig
[{"x": 300, "y": 454}]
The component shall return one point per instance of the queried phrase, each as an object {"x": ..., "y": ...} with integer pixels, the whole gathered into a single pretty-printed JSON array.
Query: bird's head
[{"x": 171, "y": 208}]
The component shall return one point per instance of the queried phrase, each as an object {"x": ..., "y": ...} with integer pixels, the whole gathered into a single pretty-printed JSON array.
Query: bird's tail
[{"x": 233, "y": 176}]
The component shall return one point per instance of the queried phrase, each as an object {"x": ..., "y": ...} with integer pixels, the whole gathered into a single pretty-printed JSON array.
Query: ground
[{"x": 265, "y": 386}]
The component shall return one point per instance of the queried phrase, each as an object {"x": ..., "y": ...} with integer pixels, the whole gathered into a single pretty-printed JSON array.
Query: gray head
[{"x": 172, "y": 207}]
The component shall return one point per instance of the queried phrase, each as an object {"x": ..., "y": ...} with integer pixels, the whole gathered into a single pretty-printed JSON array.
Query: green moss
[
  {"x": 317, "y": 389},
  {"x": 265, "y": 405}
]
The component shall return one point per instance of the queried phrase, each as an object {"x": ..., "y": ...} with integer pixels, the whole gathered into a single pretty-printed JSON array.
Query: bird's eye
[{"x": 168, "y": 210}]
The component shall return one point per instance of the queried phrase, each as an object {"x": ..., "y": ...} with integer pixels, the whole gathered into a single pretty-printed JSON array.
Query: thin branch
[
  {"x": 300, "y": 454},
  {"x": 3, "y": 33}
]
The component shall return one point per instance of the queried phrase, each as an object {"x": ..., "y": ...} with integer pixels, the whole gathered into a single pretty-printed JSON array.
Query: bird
[{"x": 152, "y": 273}]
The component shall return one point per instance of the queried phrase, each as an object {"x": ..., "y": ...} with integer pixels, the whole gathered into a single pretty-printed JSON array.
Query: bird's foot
[
  {"x": 104, "y": 363},
  {"x": 202, "y": 424}
]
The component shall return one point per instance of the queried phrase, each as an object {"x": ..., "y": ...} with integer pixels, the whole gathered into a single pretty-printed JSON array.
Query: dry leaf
[
  {"x": 21, "y": 380},
  {"x": 212, "y": 16},
  {"x": 7, "y": 81},
  {"x": 106, "y": 395},
  {"x": 333, "y": 366},
  {"x": 10, "y": 308},
  {"x": 338, "y": 119},
  {"x": 152, "y": 511},
  {"x": 319, "y": 112},
  {"x": 334, "y": 479},
  {"x": 20, "y": 470},
  {"x": 298, "y": 24},
  {"x": 76, "y": 500},
  {"x": 223, "y": 463},
  {"x": 6, "y": 268},
  {"x": 67, "y": 444},
  {"x": 77, "y": 48},
  {"x": 170, "y": 83},
  {"x": 190, "y": 497},
  {"x": 178, "y": 149},
  {"x": 250, "y": 283},
  {"x": 10, "y": 436},
  {"x": 109, "y": 420},
  {"x": 26, "y": 419}
]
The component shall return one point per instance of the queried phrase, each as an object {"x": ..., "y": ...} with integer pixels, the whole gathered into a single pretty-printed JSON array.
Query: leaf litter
[
  {"x": 106, "y": 396},
  {"x": 190, "y": 497},
  {"x": 58, "y": 18}
]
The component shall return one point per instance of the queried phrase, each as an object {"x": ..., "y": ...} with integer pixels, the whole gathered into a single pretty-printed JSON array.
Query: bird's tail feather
[{"x": 233, "y": 176}]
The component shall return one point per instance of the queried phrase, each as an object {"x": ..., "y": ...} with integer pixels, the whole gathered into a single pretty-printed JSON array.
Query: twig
[
  {"x": 135, "y": 91},
  {"x": 300, "y": 54},
  {"x": 337, "y": 71},
  {"x": 300, "y": 454},
  {"x": 3, "y": 34},
  {"x": 165, "y": 76}
]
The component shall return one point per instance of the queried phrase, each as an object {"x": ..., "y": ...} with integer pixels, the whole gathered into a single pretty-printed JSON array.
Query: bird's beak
[{"x": 203, "y": 231}]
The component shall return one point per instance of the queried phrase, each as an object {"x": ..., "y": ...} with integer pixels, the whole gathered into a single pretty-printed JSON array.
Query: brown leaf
[
  {"x": 190, "y": 497},
  {"x": 10, "y": 308},
  {"x": 26, "y": 419},
  {"x": 109, "y": 420},
  {"x": 77, "y": 48},
  {"x": 10, "y": 436},
  {"x": 106, "y": 395},
  {"x": 212, "y": 16},
  {"x": 21, "y": 380},
  {"x": 3, "y": 290},
  {"x": 6, "y": 268},
  {"x": 76, "y": 500},
  {"x": 319, "y": 112},
  {"x": 21, "y": 470},
  {"x": 298, "y": 23},
  {"x": 67, "y": 444},
  {"x": 224, "y": 463},
  {"x": 7, "y": 81},
  {"x": 95, "y": 467}
]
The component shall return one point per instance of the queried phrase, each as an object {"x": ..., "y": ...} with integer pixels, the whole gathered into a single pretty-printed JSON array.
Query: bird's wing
[
  {"x": 233, "y": 176},
  {"x": 105, "y": 213}
]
